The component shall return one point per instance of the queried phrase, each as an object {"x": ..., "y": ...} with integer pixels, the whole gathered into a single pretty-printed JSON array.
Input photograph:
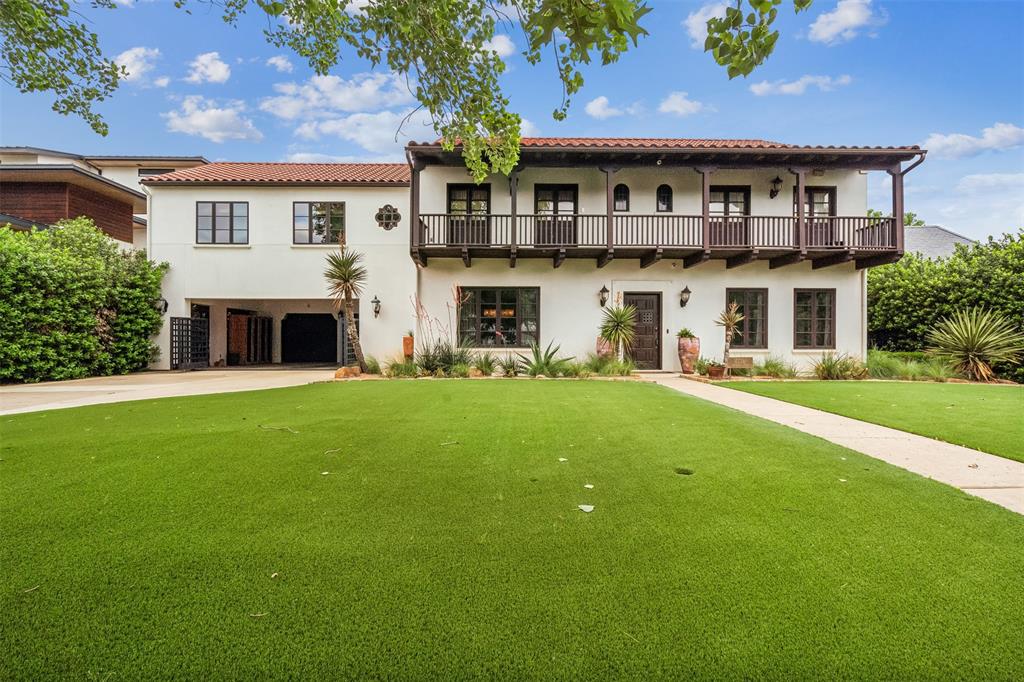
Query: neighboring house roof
[
  {"x": 21, "y": 223},
  {"x": 101, "y": 157},
  {"x": 224, "y": 173},
  {"x": 933, "y": 241},
  {"x": 73, "y": 175}
]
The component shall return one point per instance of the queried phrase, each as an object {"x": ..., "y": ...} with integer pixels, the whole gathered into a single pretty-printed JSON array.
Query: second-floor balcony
[{"x": 826, "y": 240}]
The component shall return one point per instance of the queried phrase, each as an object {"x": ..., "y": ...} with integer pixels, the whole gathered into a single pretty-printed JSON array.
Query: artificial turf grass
[
  {"x": 979, "y": 416},
  {"x": 153, "y": 529}
]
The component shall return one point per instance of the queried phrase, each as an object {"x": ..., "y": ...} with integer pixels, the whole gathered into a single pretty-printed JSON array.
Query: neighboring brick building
[{"x": 45, "y": 186}]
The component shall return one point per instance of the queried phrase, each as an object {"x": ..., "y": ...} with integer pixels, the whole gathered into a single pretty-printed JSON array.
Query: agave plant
[
  {"x": 545, "y": 361},
  {"x": 618, "y": 327},
  {"x": 971, "y": 340},
  {"x": 346, "y": 277},
  {"x": 730, "y": 320}
]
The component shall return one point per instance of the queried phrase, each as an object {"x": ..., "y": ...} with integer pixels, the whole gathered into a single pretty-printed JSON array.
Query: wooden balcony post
[
  {"x": 415, "y": 166},
  {"x": 513, "y": 191},
  {"x": 801, "y": 218},
  {"x": 609, "y": 171},
  {"x": 897, "y": 206},
  {"x": 705, "y": 207}
]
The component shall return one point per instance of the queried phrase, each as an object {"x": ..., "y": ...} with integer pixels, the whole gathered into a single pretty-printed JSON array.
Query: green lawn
[
  {"x": 987, "y": 418},
  {"x": 177, "y": 538}
]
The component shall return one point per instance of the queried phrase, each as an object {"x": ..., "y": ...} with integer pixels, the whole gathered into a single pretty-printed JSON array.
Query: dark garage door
[{"x": 309, "y": 337}]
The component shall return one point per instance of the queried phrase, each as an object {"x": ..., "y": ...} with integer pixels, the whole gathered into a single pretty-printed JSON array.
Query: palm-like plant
[
  {"x": 346, "y": 277},
  {"x": 974, "y": 339},
  {"x": 618, "y": 327},
  {"x": 730, "y": 320}
]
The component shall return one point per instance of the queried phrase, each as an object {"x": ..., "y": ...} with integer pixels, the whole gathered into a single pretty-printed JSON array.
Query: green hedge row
[
  {"x": 907, "y": 298},
  {"x": 72, "y": 304}
]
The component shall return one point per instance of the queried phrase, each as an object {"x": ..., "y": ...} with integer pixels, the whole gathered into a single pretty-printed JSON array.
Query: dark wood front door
[{"x": 646, "y": 349}]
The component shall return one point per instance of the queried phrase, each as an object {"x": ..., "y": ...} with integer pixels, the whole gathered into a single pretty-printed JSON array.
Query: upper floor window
[
  {"x": 318, "y": 222},
  {"x": 818, "y": 201},
  {"x": 753, "y": 305},
  {"x": 621, "y": 197},
  {"x": 730, "y": 200},
  {"x": 222, "y": 222},
  {"x": 664, "y": 199},
  {"x": 469, "y": 199},
  {"x": 814, "y": 318}
]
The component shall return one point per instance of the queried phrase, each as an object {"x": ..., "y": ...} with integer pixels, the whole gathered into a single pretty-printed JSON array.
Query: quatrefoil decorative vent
[{"x": 387, "y": 217}]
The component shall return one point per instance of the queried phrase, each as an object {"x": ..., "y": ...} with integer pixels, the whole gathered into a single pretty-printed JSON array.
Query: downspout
[
  {"x": 413, "y": 219},
  {"x": 149, "y": 222}
]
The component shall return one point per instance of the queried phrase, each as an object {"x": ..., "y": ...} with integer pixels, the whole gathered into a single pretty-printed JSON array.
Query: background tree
[
  {"x": 909, "y": 219},
  {"x": 442, "y": 47},
  {"x": 346, "y": 277}
]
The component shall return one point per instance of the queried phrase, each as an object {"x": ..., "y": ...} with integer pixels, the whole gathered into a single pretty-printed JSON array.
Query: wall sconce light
[
  {"x": 776, "y": 187},
  {"x": 602, "y": 295},
  {"x": 684, "y": 297},
  {"x": 161, "y": 305},
  {"x": 376, "y": 306}
]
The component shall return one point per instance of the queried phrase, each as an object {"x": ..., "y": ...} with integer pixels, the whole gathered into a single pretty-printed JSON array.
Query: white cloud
[
  {"x": 984, "y": 182},
  {"x": 209, "y": 68},
  {"x": 376, "y": 132},
  {"x": 679, "y": 104},
  {"x": 138, "y": 61},
  {"x": 162, "y": 81},
  {"x": 600, "y": 109},
  {"x": 958, "y": 145},
  {"x": 217, "y": 123},
  {"x": 281, "y": 63},
  {"x": 324, "y": 96},
  {"x": 696, "y": 23},
  {"x": 356, "y": 6},
  {"x": 799, "y": 86},
  {"x": 845, "y": 22},
  {"x": 502, "y": 45},
  {"x": 528, "y": 128}
]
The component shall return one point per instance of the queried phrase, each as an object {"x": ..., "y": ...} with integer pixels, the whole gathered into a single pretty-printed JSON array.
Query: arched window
[
  {"x": 621, "y": 196},
  {"x": 664, "y": 196}
]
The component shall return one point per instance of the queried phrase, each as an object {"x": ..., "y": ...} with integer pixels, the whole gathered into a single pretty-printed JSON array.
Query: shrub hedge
[
  {"x": 907, "y": 298},
  {"x": 73, "y": 304}
]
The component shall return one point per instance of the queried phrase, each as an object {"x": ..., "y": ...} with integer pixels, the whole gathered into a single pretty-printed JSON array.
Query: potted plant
[
  {"x": 716, "y": 370},
  {"x": 408, "y": 344},
  {"x": 688, "y": 348}
]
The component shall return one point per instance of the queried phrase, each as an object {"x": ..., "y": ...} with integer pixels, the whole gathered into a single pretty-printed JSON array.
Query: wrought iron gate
[{"x": 190, "y": 343}]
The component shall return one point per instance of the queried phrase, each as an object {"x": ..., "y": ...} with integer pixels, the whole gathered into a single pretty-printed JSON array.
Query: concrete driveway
[{"x": 98, "y": 390}]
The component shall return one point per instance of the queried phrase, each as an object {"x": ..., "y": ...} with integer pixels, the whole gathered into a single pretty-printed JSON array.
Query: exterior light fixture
[
  {"x": 161, "y": 305},
  {"x": 776, "y": 187},
  {"x": 684, "y": 297},
  {"x": 602, "y": 295},
  {"x": 376, "y": 306}
]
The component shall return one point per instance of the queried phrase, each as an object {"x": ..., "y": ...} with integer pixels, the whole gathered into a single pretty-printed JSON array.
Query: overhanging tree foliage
[
  {"x": 441, "y": 46},
  {"x": 73, "y": 304}
]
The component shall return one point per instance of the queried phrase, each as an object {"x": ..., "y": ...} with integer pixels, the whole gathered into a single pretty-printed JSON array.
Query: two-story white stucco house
[{"x": 677, "y": 227}]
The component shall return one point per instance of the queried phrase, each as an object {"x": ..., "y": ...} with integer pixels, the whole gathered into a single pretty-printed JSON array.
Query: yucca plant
[
  {"x": 729, "y": 320},
  {"x": 346, "y": 277},
  {"x": 544, "y": 362},
  {"x": 510, "y": 365},
  {"x": 618, "y": 328},
  {"x": 485, "y": 363},
  {"x": 971, "y": 340}
]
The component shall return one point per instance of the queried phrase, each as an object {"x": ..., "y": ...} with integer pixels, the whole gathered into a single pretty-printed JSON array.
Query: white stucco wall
[
  {"x": 570, "y": 311},
  {"x": 270, "y": 268}
]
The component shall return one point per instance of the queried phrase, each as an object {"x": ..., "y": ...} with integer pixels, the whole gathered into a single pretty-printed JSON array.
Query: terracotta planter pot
[
  {"x": 716, "y": 372},
  {"x": 604, "y": 349},
  {"x": 689, "y": 351},
  {"x": 408, "y": 346}
]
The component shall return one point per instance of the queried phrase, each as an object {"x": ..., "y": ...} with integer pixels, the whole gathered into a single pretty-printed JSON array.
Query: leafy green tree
[
  {"x": 909, "y": 219},
  {"x": 441, "y": 46},
  {"x": 74, "y": 304}
]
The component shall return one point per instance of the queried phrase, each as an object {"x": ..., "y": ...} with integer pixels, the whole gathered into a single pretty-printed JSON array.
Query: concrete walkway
[
  {"x": 989, "y": 477},
  {"x": 144, "y": 385}
]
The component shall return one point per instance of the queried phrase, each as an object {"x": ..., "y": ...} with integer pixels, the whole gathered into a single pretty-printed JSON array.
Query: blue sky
[{"x": 948, "y": 75}]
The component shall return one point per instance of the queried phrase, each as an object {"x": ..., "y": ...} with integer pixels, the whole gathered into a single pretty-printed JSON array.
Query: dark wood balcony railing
[{"x": 665, "y": 231}]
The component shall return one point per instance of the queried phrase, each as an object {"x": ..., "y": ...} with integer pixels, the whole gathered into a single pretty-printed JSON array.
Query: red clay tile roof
[
  {"x": 288, "y": 173},
  {"x": 672, "y": 143}
]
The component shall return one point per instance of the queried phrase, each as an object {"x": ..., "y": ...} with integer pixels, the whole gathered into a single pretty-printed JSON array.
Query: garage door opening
[{"x": 309, "y": 337}]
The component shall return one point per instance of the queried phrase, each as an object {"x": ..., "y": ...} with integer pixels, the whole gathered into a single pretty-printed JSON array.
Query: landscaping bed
[{"x": 432, "y": 529}]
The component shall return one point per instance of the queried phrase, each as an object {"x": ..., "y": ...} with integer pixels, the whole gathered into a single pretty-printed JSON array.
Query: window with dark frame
[
  {"x": 664, "y": 199},
  {"x": 753, "y": 305},
  {"x": 222, "y": 222},
  {"x": 469, "y": 199},
  {"x": 818, "y": 201},
  {"x": 730, "y": 200},
  {"x": 499, "y": 316},
  {"x": 814, "y": 318},
  {"x": 318, "y": 222},
  {"x": 620, "y": 195}
]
